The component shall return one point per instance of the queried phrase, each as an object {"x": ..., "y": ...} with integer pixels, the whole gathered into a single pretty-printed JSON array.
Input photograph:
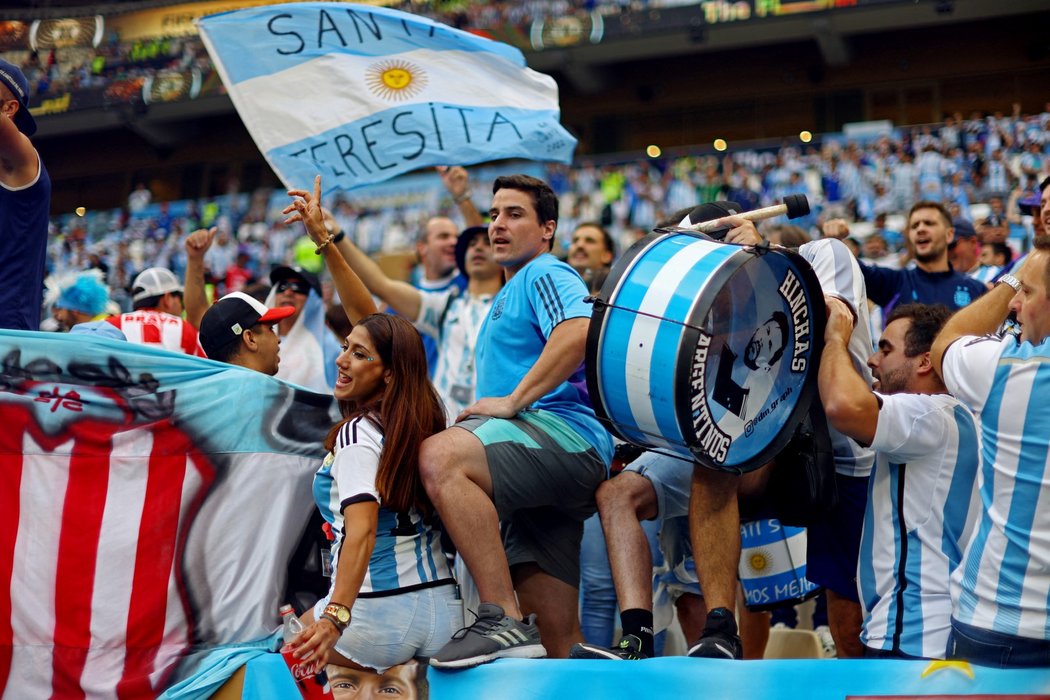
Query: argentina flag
[{"x": 361, "y": 94}]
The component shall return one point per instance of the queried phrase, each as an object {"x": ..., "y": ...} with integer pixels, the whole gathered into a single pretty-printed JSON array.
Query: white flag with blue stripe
[{"x": 361, "y": 94}]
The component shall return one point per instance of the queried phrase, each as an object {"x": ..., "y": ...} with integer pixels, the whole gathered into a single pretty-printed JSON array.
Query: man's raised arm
[
  {"x": 981, "y": 317},
  {"x": 19, "y": 163},
  {"x": 848, "y": 401},
  {"x": 194, "y": 295}
]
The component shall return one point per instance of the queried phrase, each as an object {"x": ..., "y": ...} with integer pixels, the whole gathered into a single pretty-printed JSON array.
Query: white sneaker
[{"x": 827, "y": 642}]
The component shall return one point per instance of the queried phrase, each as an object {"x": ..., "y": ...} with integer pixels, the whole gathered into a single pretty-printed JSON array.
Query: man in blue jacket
[{"x": 932, "y": 280}]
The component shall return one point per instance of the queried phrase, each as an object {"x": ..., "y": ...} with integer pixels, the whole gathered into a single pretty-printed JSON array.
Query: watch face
[{"x": 339, "y": 612}]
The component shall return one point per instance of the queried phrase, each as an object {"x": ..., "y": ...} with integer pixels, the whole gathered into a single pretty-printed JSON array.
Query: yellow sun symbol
[
  {"x": 395, "y": 80},
  {"x": 758, "y": 561}
]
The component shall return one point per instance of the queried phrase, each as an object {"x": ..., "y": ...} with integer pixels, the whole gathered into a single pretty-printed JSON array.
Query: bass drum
[{"x": 705, "y": 350}]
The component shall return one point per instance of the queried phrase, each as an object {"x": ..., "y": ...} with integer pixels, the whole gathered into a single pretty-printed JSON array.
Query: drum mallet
[{"x": 794, "y": 205}]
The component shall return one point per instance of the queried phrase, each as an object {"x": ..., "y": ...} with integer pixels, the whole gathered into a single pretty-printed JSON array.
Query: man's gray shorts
[{"x": 544, "y": 476}]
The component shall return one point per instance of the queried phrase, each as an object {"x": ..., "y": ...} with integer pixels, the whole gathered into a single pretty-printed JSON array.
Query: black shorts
[{"x": 833, "y": 543}]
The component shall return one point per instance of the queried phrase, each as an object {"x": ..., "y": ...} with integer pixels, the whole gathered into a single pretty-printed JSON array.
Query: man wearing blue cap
[{"x": 25, "y": 197}]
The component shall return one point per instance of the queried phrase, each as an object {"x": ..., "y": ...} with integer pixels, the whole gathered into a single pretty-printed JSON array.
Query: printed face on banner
[{"x": 361, "y": 684}]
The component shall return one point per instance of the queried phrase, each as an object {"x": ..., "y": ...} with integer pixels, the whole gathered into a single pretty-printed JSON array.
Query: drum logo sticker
[{"x": 711, "y": 440}]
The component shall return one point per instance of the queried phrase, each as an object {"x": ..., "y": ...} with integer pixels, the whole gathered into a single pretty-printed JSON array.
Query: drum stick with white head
[{"x": 794, "y": 205}]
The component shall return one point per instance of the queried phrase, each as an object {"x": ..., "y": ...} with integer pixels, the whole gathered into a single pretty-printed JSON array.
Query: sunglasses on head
[{"x": 296, "y": 286}]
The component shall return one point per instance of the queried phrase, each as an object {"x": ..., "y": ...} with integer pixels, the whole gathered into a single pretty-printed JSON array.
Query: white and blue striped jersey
[
  {"x": 407, "y": 553},
  {"x": 1003, "y": 583},
  {"x": 986, "y": 273},
  {"x": 453, "y": 318},
  {"x": 840, "y": 276},
  {"x": 922, "y": 507}
]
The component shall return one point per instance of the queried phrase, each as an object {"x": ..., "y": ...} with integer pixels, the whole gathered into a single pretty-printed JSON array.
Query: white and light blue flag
[{"x": 361, "y": 94}]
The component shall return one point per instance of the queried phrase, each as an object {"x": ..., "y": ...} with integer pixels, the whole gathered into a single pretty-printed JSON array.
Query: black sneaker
[
  {"x": 719, "y": 639},
  {"x": 629, "y": 649},
  {"x": 492, "y": 636},
  {"x": 717, "y": 645}
]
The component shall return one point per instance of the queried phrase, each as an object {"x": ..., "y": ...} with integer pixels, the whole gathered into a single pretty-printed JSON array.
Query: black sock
[
  {"x": 639, "y": 622},
  {"x": 721, "y": 620}
]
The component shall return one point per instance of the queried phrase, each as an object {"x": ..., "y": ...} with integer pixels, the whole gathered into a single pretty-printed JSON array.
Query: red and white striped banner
[{"x": 149, "y": 503}]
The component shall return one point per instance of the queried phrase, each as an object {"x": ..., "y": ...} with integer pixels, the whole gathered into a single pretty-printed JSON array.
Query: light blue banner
[
  {"x": 362, "y": 94},
  {"x": 714, "y": 679},
  {"x": 399, "y": 140}
]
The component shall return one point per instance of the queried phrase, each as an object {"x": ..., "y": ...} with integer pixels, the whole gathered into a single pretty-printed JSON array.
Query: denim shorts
[
  {"x": 671, "y": 479},
  {"x": 394, "y": 629}
]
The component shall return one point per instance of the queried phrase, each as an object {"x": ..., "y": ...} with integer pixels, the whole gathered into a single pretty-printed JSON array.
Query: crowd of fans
[
  {"x": 930, "y": 547},
  {"x": 984, "y": 169}
]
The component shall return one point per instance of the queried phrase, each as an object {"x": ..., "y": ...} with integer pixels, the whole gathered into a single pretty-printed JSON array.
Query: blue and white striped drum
[{"x": 705, "y": 350}]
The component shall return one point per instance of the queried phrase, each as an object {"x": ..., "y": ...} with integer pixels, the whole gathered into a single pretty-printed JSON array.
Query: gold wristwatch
[{"x": 338, "y": 614}]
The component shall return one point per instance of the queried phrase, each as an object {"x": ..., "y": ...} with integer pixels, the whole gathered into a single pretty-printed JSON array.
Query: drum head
[
  {"x": 744, "y": 370},
  {"x": 752, "y": 369}
]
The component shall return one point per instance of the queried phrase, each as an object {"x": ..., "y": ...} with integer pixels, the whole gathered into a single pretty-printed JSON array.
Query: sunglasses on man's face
[{"x": 294, "y": 285}]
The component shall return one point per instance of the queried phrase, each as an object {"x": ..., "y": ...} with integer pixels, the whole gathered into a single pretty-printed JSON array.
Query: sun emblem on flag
[
  {"x": 758, "y": 561},
  {"x": 395, "y": 80}
]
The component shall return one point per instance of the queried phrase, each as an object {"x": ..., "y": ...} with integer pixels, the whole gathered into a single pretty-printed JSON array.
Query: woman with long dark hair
[{"x": 393, "y": 596}]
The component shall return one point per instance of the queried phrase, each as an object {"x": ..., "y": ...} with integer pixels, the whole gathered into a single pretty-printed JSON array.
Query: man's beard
[
  {"x": 932, "y": 256},
  {"x": 893, "y": 382}
]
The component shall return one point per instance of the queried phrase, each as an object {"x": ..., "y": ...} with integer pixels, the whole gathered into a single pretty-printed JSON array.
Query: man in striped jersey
[
  {"x": 156, "y": 320},
  {"x": 529, "y": 454},
  {"x": 921, "y": 497},
  {"x": 1001, "y": 590}
]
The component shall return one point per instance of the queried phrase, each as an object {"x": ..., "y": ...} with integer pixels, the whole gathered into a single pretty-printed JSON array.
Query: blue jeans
[{"x": 995, "y": 649}]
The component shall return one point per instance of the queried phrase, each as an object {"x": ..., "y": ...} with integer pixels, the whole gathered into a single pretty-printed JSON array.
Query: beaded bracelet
[{"x": 324, "y": 243}]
